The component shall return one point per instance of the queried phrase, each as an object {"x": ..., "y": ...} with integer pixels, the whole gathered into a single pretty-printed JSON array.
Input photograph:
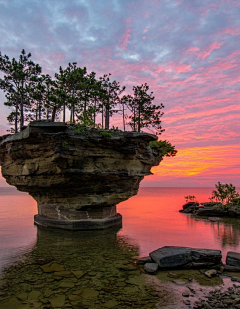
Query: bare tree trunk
[
  {"x": 54, "y": 113},
  {"x": 64, "y": 114},
  {"x": 123, "y": 118},
  {"x": 102, "y": 116},
  {"x": 21, "y": 113},
  {"x": 94, "y": 113},
  {"x": 16, "y": 118}
]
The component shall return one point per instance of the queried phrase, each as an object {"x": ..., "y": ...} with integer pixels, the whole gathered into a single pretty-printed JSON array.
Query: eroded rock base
[{"x": 77, "y": 225}]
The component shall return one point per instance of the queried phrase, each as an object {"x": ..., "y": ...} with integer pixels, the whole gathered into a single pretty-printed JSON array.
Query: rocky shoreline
[
  {"x": 210, "y": 209},
  {"x": 168, "y": 261}
]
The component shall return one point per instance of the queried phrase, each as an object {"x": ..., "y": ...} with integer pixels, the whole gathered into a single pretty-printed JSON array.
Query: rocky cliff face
[{"x": 74, "y": 175}]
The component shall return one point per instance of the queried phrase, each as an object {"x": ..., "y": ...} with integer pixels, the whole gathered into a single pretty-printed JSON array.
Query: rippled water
[{"x": 95, "y": 269}]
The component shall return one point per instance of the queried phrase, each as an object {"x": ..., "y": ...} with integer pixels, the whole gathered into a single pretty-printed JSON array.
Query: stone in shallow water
[
  {"x": 144, "y": 260},
  {"x": 68, "y": 285},
  {"x": 233, "y": 259},
  {"x": 52, "y": 267},
  {"x": 22, "y": 296},
  {"x": 78, "y": 273},
  {"x": 12, "y": 302},
  {"x": 210, "y": 273},
  {"x": 34, "y": 295},
  {"x": 58, "y": 301},
  {"x": 111, "y": 304},
  {"x": 180, "y": 257},
  {"x": 151, "y": 268},
  {"x": 63, "y": 273}
]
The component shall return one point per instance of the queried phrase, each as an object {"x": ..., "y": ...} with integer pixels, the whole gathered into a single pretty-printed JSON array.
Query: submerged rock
[
  {"x": 77, "y": 178},
  {"x": 210, "y": 273},
  {"x": 185, "y": 257}
]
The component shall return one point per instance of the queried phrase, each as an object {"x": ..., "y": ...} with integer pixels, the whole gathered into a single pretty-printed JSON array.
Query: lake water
[{"x": 150, "y": 220}]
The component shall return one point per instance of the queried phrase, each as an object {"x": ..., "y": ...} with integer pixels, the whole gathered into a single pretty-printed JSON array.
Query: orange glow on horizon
[{"x": 210, "y": 160}]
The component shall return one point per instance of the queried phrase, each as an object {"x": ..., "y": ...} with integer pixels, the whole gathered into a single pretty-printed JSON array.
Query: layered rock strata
[{"x": 76, "y": 176}]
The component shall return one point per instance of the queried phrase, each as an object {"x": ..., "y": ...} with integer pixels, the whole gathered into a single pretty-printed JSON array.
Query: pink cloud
[{"x": 204, "y": 54}]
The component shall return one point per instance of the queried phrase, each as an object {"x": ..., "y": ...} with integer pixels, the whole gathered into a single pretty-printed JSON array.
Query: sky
[{"x": 188, "y": 51}]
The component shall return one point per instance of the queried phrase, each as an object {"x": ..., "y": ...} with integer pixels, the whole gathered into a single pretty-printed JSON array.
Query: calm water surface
[
  {"x": 150, "y": 220},
  {"x": 98, "y": 265}
]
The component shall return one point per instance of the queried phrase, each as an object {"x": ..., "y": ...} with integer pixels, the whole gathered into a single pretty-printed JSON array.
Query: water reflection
[{"x": 78, "y": 270}]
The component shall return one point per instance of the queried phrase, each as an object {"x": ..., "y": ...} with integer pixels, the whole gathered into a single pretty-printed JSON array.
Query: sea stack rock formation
[{"x": 76, "y": 175}]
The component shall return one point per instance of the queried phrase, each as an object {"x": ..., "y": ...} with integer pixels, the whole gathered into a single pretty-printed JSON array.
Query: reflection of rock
[
  {"x": 184, "y": 257},
  {"x": 99, "y": 272},
  {"x": 76, "y": 178}
]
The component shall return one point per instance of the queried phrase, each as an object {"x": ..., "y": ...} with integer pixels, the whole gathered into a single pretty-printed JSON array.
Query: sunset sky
[{"x": 188, "y": 51}]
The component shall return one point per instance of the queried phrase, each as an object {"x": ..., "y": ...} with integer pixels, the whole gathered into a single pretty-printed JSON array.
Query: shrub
[
  {"x": 190, "y": 198},
  {"x": 225, "y": 194},
  {"x": 105, "y": 134},
  {"x": 164, "y": 148}
]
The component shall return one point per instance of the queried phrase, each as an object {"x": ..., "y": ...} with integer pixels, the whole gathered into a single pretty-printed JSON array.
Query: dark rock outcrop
[
  {"x": 77, "y": 178},
  {"x": 233, "y": 259},
  {"x": 215, "y": 211},
  {"x": 190, "y": 207},
  {"x": 184, "y": 257}
]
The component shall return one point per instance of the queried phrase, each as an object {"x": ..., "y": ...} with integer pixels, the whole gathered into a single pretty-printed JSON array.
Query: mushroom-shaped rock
[{"x": 76, "y": 176}]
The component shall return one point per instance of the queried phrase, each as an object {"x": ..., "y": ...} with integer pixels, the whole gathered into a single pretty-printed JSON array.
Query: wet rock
[
  {"x": 190, "y": 207},
  {"x": 129, "y": 267},
  {"x": 144, "y": 260},
  {"x": 12, "y": 302},
  {"x": 233, "y": 259},
  {"x": 68, "y": 285},
  {"x": 34, "y": 295},
  {"x": 172, "y": 275},
  {"x": 214, "y": 219},
  {"x": 180, "y": 281},
  {"x": 22, "y": 296},
  {"x": 190, "y": 204},
  {"x": 210, "y": 273},
  {"x": 89, "y": 293},
  {"x": 78, "y": 273},
  {"x": 212, "y": 212},
  {"x": 58, "y": 301},
  {"x": 151, "y": 268},
  {"x": 231, "y": 268},
  {"x": 111, "y": 304},
  {"x": 63, "y": 273},
  {"x": 234, "y": 212},
  {"x": 185, "y": 257},
  {"x": 52, "y": 267}
]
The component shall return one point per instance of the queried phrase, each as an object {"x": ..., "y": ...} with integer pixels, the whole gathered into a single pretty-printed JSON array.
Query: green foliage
[
  {"x": 79, "y": 128},
  {"x": 64, "y": 145},
  {"x": 164, "y": 148},
  {"x": 106, "y": 134},
  {"x": 225, "y": 194},
  {"x": 190, "y": 198}
]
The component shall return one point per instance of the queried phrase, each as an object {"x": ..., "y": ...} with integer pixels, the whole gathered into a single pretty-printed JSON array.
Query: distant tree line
[{"x": 32, "y": 95}]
